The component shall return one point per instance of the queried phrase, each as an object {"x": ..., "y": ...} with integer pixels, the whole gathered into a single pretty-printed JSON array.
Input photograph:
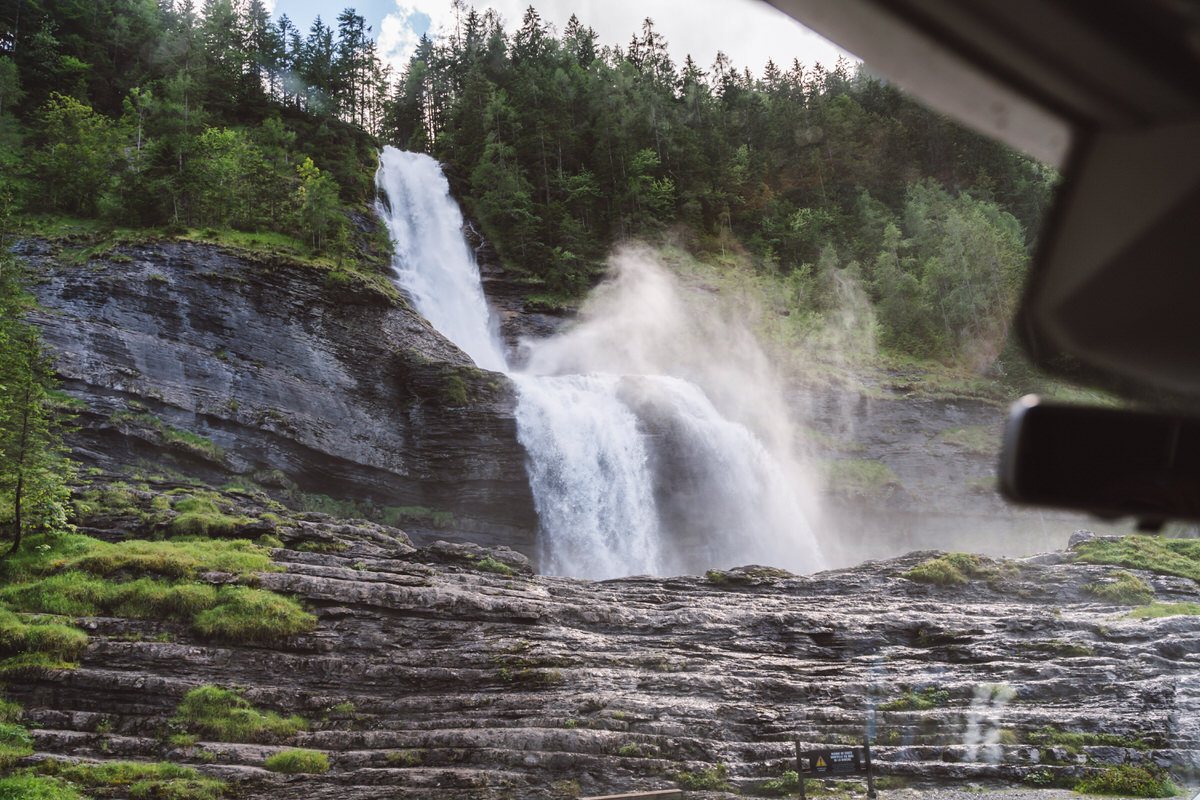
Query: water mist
[{"x": 657, "y": 435}]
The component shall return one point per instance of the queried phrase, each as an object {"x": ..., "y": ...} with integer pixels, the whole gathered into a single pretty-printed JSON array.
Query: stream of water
[{"x": 633, "y": 469}]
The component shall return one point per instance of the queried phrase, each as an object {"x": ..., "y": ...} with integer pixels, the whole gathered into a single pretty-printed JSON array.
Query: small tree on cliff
[{"x": 34, "y": 469}]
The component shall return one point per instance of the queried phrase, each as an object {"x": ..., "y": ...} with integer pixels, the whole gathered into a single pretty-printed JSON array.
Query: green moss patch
[
  {"x": 139, "y": 780},
  {"x": 1151, "y": 553},
  {"x": 951, "y": 569},
  {"x": 1156, "y": 610},
  {"x": 1125, "y": 589},
  {"x": 32, "y": 787},
  {"x": 238, "y": 613},
  {"x": 1049, "y": 736},
  {"x": 33, "y": 643},
  {"x": 713, "y": 779},
  {"x": 913, "y": 700},
  {"x": 224, "y": 715},
  {"x": 292, "y": 762}
]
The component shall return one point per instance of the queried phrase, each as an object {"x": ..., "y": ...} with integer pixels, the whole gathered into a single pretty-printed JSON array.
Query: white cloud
[{"x": 749, "y": 31}]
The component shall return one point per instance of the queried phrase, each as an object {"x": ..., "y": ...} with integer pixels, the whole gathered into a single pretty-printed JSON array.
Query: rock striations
[
  {"x": 296, "y": 375},
  {"x": 451, "y": 671}
]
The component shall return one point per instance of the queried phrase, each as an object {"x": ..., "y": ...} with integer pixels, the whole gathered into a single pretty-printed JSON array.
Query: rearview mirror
[{"x": 1110, "y": 462}]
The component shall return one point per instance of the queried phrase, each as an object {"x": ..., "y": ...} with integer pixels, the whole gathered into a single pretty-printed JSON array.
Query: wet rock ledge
[{"x": 453, "y": 671}]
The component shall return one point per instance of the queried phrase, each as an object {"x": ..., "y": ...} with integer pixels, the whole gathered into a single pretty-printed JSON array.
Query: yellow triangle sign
[{"x": 820, "y": 762}]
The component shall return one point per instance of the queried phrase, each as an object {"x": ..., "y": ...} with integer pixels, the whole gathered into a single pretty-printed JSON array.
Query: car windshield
[{"x": 450, "y": 401}]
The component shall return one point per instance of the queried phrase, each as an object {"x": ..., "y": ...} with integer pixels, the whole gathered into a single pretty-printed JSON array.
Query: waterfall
[{"x": 642, "y": 458}]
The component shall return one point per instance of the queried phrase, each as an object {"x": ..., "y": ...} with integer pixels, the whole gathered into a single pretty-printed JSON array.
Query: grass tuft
[
  {"x": 1150, "y": 553},
  {"x": 1156, "y": 610},
  {"x": 712, "y": 779},
  {"x": 1128, "y": 780},
  {"x": 225, "y": 716},
  {"x": 32, "y": 787},
  {"x": 292, "y": 762},
  {"x": 951, "y": 569},
  {"x": 489, "y": 564},
  {"x": 1126, "y": 589},
  {"x": 139, "y": 780},
  {"x": 913, "y": 700}
]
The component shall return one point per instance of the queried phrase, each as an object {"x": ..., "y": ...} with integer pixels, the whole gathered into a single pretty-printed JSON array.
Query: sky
[{"x": 748, "y": 31}]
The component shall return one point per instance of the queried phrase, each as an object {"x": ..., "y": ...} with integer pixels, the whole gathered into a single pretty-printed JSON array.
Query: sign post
[{"x": 835, "y": 761}]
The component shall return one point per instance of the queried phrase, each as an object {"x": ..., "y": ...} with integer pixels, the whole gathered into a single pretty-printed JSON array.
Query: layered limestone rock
[
  {"x": 451, "y": 671},
  {"x": 293, "y": 374}
]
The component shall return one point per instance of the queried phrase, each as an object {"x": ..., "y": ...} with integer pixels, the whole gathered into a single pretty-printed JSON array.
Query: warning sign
[{"x": 836, "y": 761}]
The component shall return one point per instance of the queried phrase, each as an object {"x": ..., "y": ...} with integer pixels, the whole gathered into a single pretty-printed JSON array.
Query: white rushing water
[{"x": 634, "y": 467}]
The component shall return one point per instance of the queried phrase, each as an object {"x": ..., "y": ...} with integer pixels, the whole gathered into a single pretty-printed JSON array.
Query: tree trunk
[{"x": 17, "y": 524}]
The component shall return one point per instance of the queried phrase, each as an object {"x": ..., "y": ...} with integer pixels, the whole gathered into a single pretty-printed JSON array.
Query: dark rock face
[
  {"x": 471, "y": 680},
  {"x": 334, "y": 387}
]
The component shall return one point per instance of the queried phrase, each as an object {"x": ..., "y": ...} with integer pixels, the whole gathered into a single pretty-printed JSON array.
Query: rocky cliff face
[
  {"x": 445, "y": 673},
  {"x": 291, "y": 374}
]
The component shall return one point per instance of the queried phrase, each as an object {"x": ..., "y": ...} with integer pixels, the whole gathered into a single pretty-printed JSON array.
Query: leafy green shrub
[
  {"x": 1127, "y": 590},
  {"x": 1128, "y": 780},
  {"x": 310, "y": 762},
  {"x": 254, "y": 615},
  {"x": 713, "y": 779},
  {"x": 224, "y": 715},
  {"x": 951, "y": 569},
  {"x": 917, "y": 701}
]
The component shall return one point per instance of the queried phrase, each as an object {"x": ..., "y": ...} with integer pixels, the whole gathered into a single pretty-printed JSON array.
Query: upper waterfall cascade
[{"x": 632, "y": 471}]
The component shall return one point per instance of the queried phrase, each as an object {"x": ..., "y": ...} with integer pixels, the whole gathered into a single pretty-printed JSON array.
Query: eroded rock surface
[
  {"x": 471, "y": 677},
  {"x": 294, "y": 375}
]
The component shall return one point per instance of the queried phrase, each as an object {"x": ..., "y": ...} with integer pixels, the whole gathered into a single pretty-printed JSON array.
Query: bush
[
  {"x": 226, "y": 716},
  {"x": 1128, "y": 780},
  {"x": 1126, "y": 589},
  {"x": 291, "y": 762}
]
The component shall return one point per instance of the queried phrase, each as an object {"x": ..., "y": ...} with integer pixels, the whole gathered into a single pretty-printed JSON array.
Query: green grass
[
  {"x": 223, "y": 715},
  {"x": 977, "y": 439},
  {"x": 32, "y": 787},
  {"x": 47, "y": 642},
  {"x": 1049, "y": 736},
  {"x": 785, "y": 785},
  {"x": 861, "y": 478},
  {"x": 1128, "y": 780},
  {"x": 180, "y": 439},
  {"x": 405, "y": 758},
  {"x": 712, "y": 779},
  {"x": 243, "y": 614},
  {"x": 951, "y": 569},
  {"x": 138, "y": 780},
  {"x": 1126, "y": 589},
  {"x": 913, "y": 700},
  {"x": 1156, "y": 610},
  {"x": 1150, "y": 553},
  {"x": 489, "y": 564},
  {"x": 175, "y": 558},
  {"x": 308, "y": 762},
  {"x": 10, "y": 711},
  {"x": 15, "y": 744},
  {"x": 237, "y": 613},
  {"x": 201, "y": 515}
]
